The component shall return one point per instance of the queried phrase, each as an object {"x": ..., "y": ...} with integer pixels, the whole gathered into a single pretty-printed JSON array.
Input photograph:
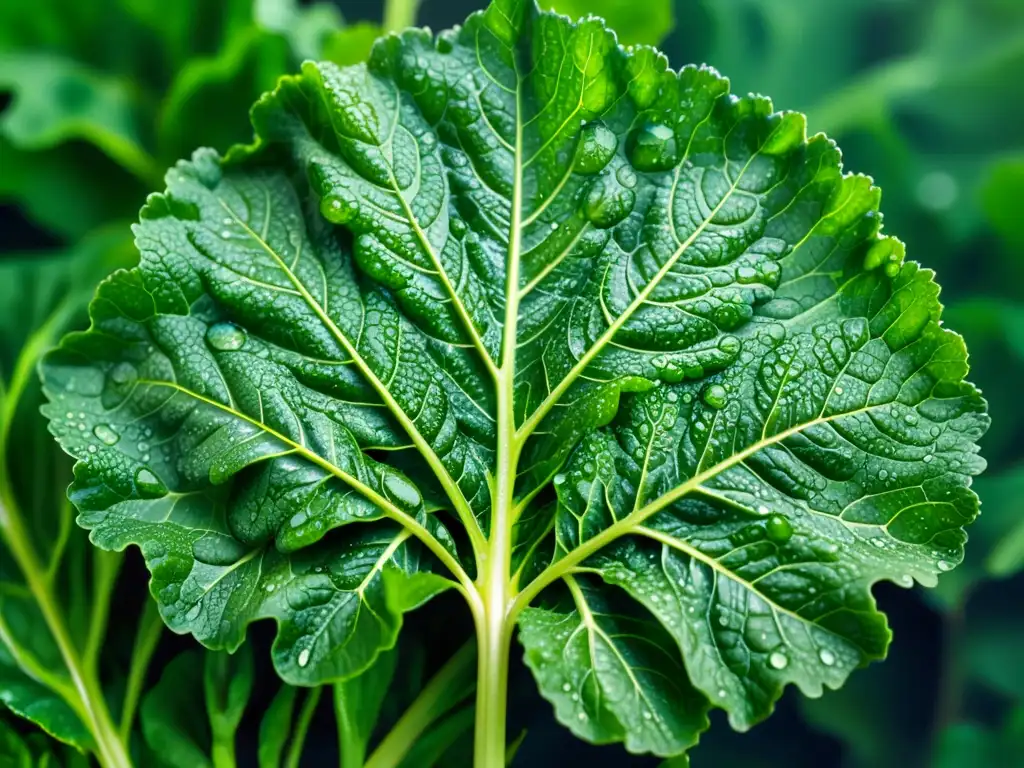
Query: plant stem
[
  {"x": 399, "y": 14},
  {"x": 301, "y": 728},
  {"x": 93, "y": 708},
  {"x": 494, "y": 638},
  {"x": 106, "y": 566},
  {"x": 223, "y": 752},
  {"x": 146, "y": 638},
  {"x": 447, "y": 688}
]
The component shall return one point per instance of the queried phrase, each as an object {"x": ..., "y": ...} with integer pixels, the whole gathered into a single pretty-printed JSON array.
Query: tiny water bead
[
  {"x": 106, "y": 434},
  {"x": 715, "y": 396},
  {"x": 827, "y": 657},
  {"x": 778, "y": 660},
  {"x": 778, "y": 529},
  {"x": 652, "y": 147},
  {"x": 225, "y": 336},
  {"x": 596, "y": 148}
]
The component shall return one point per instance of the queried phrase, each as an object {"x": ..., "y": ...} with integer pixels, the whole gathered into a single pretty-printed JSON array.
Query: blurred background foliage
[{"x": 98, "y": 97}]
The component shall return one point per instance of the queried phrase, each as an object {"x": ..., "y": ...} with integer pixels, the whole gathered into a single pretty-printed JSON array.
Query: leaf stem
[
  {"x": 109, "y": 748},
  {"x": 399, "y": 14},
  {"x": 106, "y": 566},
  {"x": 302, "y": 728},
  {"x": 448, "y": 687},
  {"x": 494, "y": 639},
  {"x": 146, "y": 639}
]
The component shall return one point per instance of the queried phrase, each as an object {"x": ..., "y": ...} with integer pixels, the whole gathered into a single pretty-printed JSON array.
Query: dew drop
[
  {"x": 566, "y": 687},
  {"x": 122, "y": 373},
  {"x": 401, "y": 490},
  {"x": 148, "y": 484},
  {"x": 778, "y": 660},
  {"x": 336, "y": 211},
  {"x": 945, "y": 565},
  {"x": 715, "y": 396},
  {"x": 225, "y": 336},
  {"x": 608, "y": 202},
  {"x": 827, "y": 657},
  {"x": 652, "y": 147},
  {"x": 596, "y": 148},
  {"x": 106, "y": 434},
  {"x": 778, "y": 529},
  {"x": 304, "y": 657}
]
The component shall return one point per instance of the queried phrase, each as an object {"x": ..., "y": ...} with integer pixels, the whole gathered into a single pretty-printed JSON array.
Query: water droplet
[
  {"x": 715, "y": 396},
  {"x": 778, "y": 660},
  {"x": 122, "y": 373},
  {"x": 401, "y": 490},
  {"x": 648, "y": 715},
  {"x": 652, "y": 147},
  {"x": 608, "y": 202},
  {"x": 106, "y": 434},
  {"x": 927, "y": 458},
  {"x": 225, "y": 336},
  {"x": 778, "y": 529},
  {"x": 763, "y": 510},
  {"x": 596, "y": 148},
  {"x": 582, "y": 715},
  {"x": 270, "y": 587},
  {"x": 194, "y": 611},
  {"x": 304, "y": 657},
  {"x": 148, "y": 484},
  {"x": 945, "y": 565},
  {"x": 336, "y": 211},
  {"x": 566, "y": 687},
  {"x": 827, "y": 657}
]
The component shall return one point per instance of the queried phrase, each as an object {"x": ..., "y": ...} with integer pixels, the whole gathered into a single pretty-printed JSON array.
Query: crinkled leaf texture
[{"x": 517, "y": 255}]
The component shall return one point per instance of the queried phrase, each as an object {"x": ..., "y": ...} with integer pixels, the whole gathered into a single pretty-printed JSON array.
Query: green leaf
[
  {"x": 613, "y": 674},
  {"x": 174, "y": 735},
  {"x": 632, "y": 28},
  {"x": 352, "y": 44},
  {"x": 14, "y": 753},
  {"x": 227, "y": 682},
  {"x": 31, "y": 699},
  {"x": 357, "y": 706},
  {"x": 276, "y": 727},
  {"x": 639, "y": 339}
]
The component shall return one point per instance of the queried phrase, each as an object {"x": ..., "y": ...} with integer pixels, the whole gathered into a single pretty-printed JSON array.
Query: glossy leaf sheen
[{"x": 738, "y": 390}]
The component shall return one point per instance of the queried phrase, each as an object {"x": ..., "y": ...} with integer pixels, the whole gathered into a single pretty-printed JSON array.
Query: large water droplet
[
  {"x": 608, "y": 202},
  {"x": 715, "y": 396},
  {"x": 652, "y": 147},
  {"x": 218, "y": 550},
  {"x": 778, "y": 660},
  {"x": 106, "y": 434},
  {"x": 148, "y": 484},
  {"x": 945, "y": 565},
  {"x": 337, "y": 211},
  {"x": 401, "y": 490},
  {"x": 778, "y": 529},
  {"x": 827, "y": 657},
  {"x": 122, "y": 373},
  {"x": 304, "y": 657},
  {"x": 225, "y": 336},
  {"x": 596, "y": 148}
]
